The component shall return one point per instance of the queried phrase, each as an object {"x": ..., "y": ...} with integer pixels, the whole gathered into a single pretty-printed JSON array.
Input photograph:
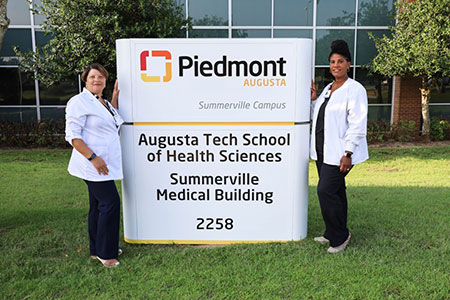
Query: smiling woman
[
  {"x": 92, "y": 127},
  {"x": 338, "y": 141}
]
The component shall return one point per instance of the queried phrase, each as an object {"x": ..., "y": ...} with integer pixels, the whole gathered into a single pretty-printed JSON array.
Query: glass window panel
[
  {"x": 208, "y": 33},
  {"x": 42, "y": 38},
  {"x": 323, "y": 77},
  {"x": 379, "y": 88},
  {"x": 365, "y": 47},
  {"x": 18, "y": 12},
  {"x": 293, "y": 12},
  {"x": 324, "y": 39},
  {"x": 18, "y": 114},
  {"x": 379, "y": 113},
  {"x": 251, "y": 33},
  {"x": 59, "y": 93},
  {"x": 38, "y": 18},
  {"x": 440, "y": 91},
  {"x": 376, "y": 12},
  {"x": 336, "y": 13},
  {"x": 292, "y": 33},
  {"x": 54, "y": 113},
  {"x": 16, "y": 88},
  {"x": 440, "y": 112},
  {"x": 209, "y": 12},
  {"x": 14, "y": 37},
  {"x": 252, "y": 12}
]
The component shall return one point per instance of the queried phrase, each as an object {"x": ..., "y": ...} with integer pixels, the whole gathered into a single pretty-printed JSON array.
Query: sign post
[{"x": 216, "y": 140}]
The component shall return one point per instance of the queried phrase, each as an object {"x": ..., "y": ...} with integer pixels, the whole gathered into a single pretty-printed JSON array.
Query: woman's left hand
[
  {"x": 115, "y": 95},
  {"x": 346, "y": 164}
]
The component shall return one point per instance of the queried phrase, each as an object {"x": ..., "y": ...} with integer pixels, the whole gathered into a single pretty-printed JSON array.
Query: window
[
  {"x": 18, "y": 114},
  {"x": 16, "y": 88},
  {"x": 376, "y": 12},
  {"x": 365, "y": 47},
  {"x": 14, "y": 37},
  {"x": 379, "y": 88},
  {"x": 252, "y": 12},
  {"x": 293, "y": 12},
  {"x": 336, "y": 13},
  {"x": 19, "y": 12},
  {"x": 251, "y": 33},
  {"x": 208, "y": 33},
  {"x": 54, "y": 113},
  {"x": 292, "y": 33},
  {"x": 59, "y": 93},
  {"x": 324, "y": 39},
  {"x": 209, "y": 12}
]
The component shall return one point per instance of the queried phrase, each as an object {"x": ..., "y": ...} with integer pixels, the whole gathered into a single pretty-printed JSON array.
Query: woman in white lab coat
[
  {"x": 92, "y": 128},
  {"x": 338, "y": 141}
]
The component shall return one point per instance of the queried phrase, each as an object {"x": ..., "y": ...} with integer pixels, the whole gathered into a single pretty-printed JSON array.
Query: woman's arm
[
  {"x": 357, "y": 109},
  {"x": 115, "y": 95},
  {"x": 97, "y": 161}
]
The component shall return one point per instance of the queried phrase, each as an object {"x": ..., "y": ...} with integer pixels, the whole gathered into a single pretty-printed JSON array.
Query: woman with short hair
[{"x": 92, "y": 128}]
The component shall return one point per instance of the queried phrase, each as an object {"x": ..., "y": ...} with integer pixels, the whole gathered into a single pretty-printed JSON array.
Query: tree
[
  {"x": 85, "y": 31},
  {"x": 4, "y": 21},
  {"x": 419, "y": 46}
]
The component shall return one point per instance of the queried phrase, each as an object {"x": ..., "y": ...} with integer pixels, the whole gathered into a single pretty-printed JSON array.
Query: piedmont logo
[
  {"x": 265, "y": 73},
  {"x": 160, "y": 53}
]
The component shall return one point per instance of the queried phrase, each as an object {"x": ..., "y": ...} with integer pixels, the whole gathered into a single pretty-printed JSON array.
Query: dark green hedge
[{"x": 31, "y": 134}]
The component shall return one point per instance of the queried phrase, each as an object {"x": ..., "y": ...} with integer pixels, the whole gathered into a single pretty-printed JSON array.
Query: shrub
[
  {"x": 440, "y": 129},
  {"x": 48, "y": 133},
  {"x": 404, "y": 131},
  {"x": 384, "y": 132},
  {"x": 378, "y": 132}
]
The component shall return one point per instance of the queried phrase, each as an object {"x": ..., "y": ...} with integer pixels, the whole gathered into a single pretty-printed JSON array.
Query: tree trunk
[
  {"x": 4, "y": 21},
  {"x": 425, "y": 93}
]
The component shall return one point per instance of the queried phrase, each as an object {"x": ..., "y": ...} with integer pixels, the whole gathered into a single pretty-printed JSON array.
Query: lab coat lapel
[{"x": 100, "y": 110}]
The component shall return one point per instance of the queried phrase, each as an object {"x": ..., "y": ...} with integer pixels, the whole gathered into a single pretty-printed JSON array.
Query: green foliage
[
  {"x": 377, "y": 132},
  {"x": 85, "y": 31},
  {"x": 404, "y": 131},
  {"x": 420, "y": 42},
  {"x": 440, "y": 129},
  {"x": 47, "y": 133},
  {"x": 384, "y": 132}
]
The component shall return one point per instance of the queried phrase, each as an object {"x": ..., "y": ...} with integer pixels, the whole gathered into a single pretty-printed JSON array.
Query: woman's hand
[
  {"x": 313, "y": 91},
  {"x": 346, "y": 164},
  {"x": 115, "y": 95},
  {"x": 100, "y": 165}
]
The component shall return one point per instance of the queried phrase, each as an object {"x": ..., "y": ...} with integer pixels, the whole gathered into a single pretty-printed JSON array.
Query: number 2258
[{"x": 214, "y": 223}]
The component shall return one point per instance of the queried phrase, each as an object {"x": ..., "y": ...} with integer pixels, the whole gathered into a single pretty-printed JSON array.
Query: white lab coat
[
  {"x": 89, "y": 120},
  {"x": 345, "y": 125}
]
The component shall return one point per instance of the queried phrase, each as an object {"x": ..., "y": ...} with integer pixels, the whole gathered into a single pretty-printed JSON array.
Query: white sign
[{"x": 215, "y": 148}]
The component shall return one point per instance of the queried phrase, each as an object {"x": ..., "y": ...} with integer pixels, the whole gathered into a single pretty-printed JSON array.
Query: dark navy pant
[
  {"x": 104, "y": 219},
  {"x": 333, "y": 202}
]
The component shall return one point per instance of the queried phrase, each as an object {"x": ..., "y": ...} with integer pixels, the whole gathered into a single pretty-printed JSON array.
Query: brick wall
[{"x": 407, "y": 101}]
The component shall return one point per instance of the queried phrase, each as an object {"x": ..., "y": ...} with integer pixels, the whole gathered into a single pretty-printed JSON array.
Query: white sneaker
[
  {"x": 321, "y": 240},
  {"x": 341, "y": 247}
]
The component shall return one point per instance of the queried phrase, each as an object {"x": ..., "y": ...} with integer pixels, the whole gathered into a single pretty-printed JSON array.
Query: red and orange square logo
[{"x": 168, "y": 64}]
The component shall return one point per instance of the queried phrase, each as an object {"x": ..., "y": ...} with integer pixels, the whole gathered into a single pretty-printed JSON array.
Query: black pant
[
  {"x": 333, "y": 202},
  {"x": 104, "y": 219}
]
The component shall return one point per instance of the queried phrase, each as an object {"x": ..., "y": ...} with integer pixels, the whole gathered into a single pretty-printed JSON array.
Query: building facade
[{"x": 22, "y": 98}]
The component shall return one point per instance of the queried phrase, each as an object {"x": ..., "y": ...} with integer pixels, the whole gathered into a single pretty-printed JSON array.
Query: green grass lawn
[{"x": 399, "y": 216}]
